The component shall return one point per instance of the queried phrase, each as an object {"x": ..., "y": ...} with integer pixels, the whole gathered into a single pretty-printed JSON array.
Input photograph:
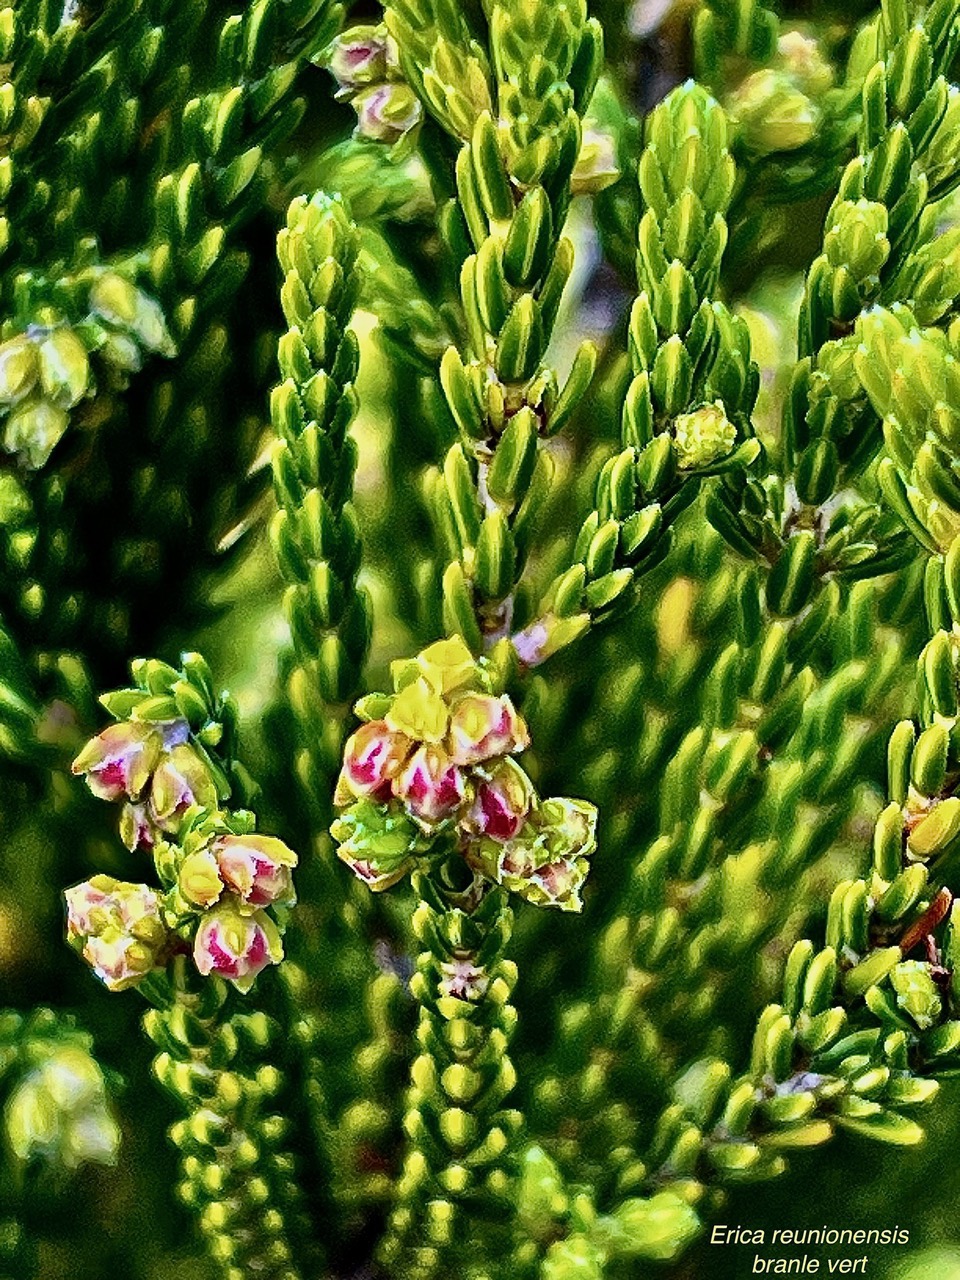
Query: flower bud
[
  {"x": 548, "y": 635},
  {"x": 119, "y": 761},
  {"x": 137, "y": 828},
  {"x": 372, "y": 758},
  {"x": 200, "y": 880},
  {"x": 122, "y": 353},
  {"x": 430, "y": 786},
  {"x": 235, "y": 946},
  {"x": 502, "y": 800},
  {"x": 19, "y": 369},
  {"x": 801, "y": 58},
  {"x": 546, "y": 860},
  {"x": 568, "y": 828},
  {"x": 33, "y": 430},
  {"x": 64, "y": 368},
  {"x": 121, "y": 303},
  {"x": 483, "y": 727},
  {"x": 256, "y": 868},
  {"x": 917, "y": 992},
  {"x": 463, "y": 980},
  {"x": 118, "y": 927},
  {"x": 596, "y": 167},
  {"x": 181, "y": 779},
  {"x": 420, "y": 712},
  {"x": 703, "y": 436},
  {"x": 772, "y": 113},
  {"x": 387, "y": 112},
  {"x": 544, "y": 883},
  {"x": 358, "y": 57},
  {"x": 448, "y": 665},
  {"x": 377, "y": 843}
]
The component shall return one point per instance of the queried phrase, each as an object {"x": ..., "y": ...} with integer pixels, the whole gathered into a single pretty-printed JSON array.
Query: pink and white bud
[
  {"x": 463, "y": 980},
  {"x": 431, "y": 787},
  {"x": 104, "y": 902},
  {"x": 552, "y": 884},
  {"x": 503, "y": 797},
  {"x": 372, "y": 758},
  {"x": 256, "y": 868},
  {"x": 181, "y": 779},
  {"x": 568, "y": 828},
  {"x": 119, "y": 761},
  {"x": 90, "y": 906},
  {"x": 483, "y": 727},
  {"x": 137, "y": 828},
  {"x": 373, "y": 873},
  {"x": 358, "y": 57},
  {"x": 551, "y": 868},
  {"x": 387, "y": 112},
  {"x": 119, "y": 960},
  {"x": 235, "y": 946}
]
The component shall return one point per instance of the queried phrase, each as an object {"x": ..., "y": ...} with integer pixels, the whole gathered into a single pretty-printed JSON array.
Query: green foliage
[{"x": 614, "y": 432}]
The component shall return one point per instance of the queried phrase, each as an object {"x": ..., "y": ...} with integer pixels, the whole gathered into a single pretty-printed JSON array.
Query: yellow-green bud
[
  {"x": 64, "y": 368},
  {"x": 800, "y": 57},
  {"x": 773, "y": 114},
  {"x": 122, "y": 304},
  {"x": 917, "y": 992},
  {"x": 199, "y": 878},
  {"x": 19, "y": 369},
  {"x": 32, "y": 430},
  {"x": 596, "y": 167},
  {"x": 703, "y": 436}
]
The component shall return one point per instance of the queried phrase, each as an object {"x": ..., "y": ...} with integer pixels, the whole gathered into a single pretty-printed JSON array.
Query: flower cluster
[
  {"x": 219, "y": 880},
  {"x": 46, "y": 371},
  {"x": 364, "y": 62},
  {"x": 118, "y": 927},
  {"x": 59, "y": 1111},
  {"x": 152, "y": 767},
  {"x": 432, "y": 770}
]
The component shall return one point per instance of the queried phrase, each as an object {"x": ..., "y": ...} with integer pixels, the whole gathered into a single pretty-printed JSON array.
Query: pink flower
[
  {"x": 372, "y": 758},
  {"x": 372, "y": 873},
  {"x": 549, "y": 865},
  {"x": 83, "y": 901},
  {"x": 463, "y": 980},
  {"x": 502, "y": 800},
  {"x": 119, "y": 761},
  {"x": 256, "y": 868},
  {"x": 118, "y": 960},
  {"x": 483, "y": 727},
  {"x": 387, "y": 112},
  {"x": 235, "y": 946},
  {"x": 431, "y": 787},
  {"x": 137, "y": 828},
  {"x": 358, "y": 57}
]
